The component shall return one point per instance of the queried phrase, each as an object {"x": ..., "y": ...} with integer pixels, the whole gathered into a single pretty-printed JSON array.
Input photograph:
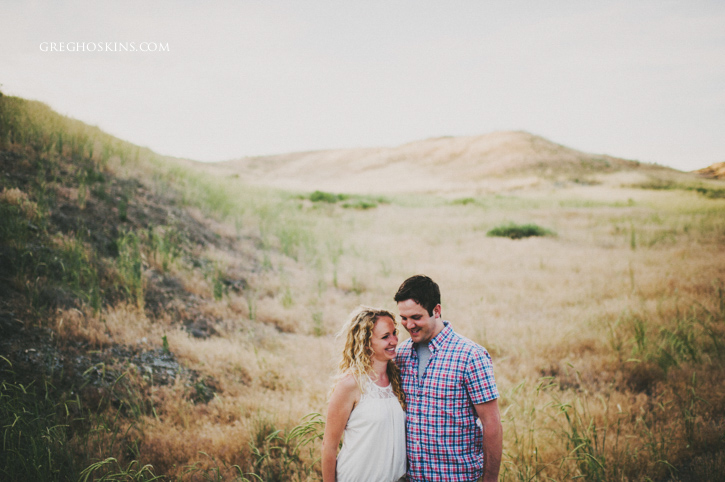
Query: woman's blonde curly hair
[{"x": 357, "y": 353}]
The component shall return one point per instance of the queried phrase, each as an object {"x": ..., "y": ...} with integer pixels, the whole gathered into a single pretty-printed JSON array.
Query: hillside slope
[
  {"x": 485, "y": 163},
  {"x": 112, "y": 286}
]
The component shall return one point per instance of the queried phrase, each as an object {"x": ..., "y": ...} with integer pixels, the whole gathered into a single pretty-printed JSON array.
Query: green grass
[
  {"x": 78, "y": 270},
  {"x": 63, "y": 265},
  {"x": 659, "y": 184},
  {"x": 275, "y": 214},
  {"x": 42, "y": 429},
  {"x": 278, "y": 453},
  {"x": 671, "y": 224},
  {"x": 503, "y": 202},
  {"x": 711, "y": 193},
  {"x": 464, "y": 201},
  {"x": 110, "y": 469},
  {"x": 15, "y": 229},
  {"x": 359, "y": 204},
  {"x": 131, "y": 267},
  {"x": 166, "y": 246},
  {"x": 51, "y": 135},
  {"x": 34, "y": 443},
  {"x": 691, "y": 339}
]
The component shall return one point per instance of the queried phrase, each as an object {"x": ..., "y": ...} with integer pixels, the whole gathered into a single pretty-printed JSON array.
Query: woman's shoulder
[
  {"x": 348, "y": 383},
  {"x": 347, "y": 388}
]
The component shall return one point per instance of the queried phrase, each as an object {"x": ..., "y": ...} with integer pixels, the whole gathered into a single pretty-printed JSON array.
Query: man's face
[{"x": 421, "y": 326}]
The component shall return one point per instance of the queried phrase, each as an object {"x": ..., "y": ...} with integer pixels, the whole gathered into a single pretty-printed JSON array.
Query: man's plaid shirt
[{"x": 443, "y": 441}]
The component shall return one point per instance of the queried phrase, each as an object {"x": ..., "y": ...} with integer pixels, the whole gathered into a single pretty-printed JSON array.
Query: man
[{"x": 449, "y": 384}]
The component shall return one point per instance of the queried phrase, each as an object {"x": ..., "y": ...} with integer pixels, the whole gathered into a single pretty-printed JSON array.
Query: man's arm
[{"x": 492, "y": 438}]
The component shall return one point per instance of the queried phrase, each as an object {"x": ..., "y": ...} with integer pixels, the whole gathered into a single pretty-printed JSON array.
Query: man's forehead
[{"x": 409, "y": 304}]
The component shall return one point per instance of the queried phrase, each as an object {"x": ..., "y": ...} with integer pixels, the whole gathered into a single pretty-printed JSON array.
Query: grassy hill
[
  {"x": 114, "y": 280},
  {"x": 165, "y": 318}
]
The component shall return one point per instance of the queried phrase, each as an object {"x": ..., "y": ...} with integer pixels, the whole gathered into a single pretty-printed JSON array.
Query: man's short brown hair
[{"x": 420, "y": 289}]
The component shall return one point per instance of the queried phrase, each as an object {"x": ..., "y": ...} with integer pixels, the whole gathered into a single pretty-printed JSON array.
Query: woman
[{"x": 367, "y": 404}]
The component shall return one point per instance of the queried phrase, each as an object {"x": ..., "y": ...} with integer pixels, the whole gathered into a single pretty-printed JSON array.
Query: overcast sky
[{"x": 641, "y": 80}]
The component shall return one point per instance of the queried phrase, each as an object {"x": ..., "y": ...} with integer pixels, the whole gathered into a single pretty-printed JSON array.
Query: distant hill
[
  {"x": 715, "y": 171},
  {"x": 490, "y": 162}
]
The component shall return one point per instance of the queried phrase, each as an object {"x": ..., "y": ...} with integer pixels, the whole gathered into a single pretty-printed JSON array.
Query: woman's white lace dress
[{"x": 373, "y": 445}]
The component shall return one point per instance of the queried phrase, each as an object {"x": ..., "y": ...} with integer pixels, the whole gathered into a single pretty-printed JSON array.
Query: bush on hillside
[{"x": 352, "y": 201}]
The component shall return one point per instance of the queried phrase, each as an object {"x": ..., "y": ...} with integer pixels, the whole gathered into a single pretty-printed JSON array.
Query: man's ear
[{"x": 437, "y": 311}]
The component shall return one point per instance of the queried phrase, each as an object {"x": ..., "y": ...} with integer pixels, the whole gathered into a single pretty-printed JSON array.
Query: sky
[{"x": 219, "y": 80}]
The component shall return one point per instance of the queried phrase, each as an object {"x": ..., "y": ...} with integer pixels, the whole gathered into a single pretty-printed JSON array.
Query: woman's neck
[{"x": 380, "y": 373}]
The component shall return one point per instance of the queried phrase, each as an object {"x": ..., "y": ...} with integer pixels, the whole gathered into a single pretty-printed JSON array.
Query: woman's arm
[{"x": 344, "y": 397}]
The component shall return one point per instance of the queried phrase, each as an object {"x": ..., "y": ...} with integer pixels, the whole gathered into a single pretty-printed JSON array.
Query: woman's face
[{"x": 384, "y": 339}]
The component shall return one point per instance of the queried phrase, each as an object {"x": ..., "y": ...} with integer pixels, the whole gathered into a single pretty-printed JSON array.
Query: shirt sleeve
[{"x": 479, "y": 379}]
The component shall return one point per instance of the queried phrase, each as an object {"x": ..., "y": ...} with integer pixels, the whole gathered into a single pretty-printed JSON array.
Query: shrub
[
  {"x": 360, "y": 204},
  {"x": 518, "y": 231},
  {"x": 464, "y": 201},
  {"x": 353, "y": 201},
  {"x": 328, "y": 197},
  {"x": 711, "y": 193},
  {"x": 658, "y": 184}
]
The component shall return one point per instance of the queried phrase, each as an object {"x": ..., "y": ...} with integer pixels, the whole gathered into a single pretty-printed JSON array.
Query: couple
[{"x": 425, "y": 400}]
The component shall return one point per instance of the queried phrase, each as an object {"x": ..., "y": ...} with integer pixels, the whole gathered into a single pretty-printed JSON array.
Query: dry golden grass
[
  {"x": 554, "y": 310},
  {"x": 557, "y": 313},
  {"x": 18, "y": 198},
  {"x": 547, "y": 305}
]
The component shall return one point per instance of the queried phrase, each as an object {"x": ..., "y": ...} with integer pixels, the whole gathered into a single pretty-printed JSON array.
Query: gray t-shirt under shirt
[{"x": 423, "y": 357}]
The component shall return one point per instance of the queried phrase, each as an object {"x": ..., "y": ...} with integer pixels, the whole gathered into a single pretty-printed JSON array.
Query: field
[{"x": 165, "y": 319}]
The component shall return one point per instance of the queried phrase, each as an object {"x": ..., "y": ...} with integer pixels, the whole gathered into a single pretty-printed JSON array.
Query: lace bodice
[{"x": 376, "y": 392}]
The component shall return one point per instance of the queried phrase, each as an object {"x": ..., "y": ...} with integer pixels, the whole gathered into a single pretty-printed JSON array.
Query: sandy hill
[
  {"x": 485, "y": 163},
  {"x": 715, "y": 171}
]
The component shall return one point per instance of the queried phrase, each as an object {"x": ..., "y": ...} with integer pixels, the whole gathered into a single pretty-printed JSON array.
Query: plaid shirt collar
[{"x": 439, "y": 341}]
